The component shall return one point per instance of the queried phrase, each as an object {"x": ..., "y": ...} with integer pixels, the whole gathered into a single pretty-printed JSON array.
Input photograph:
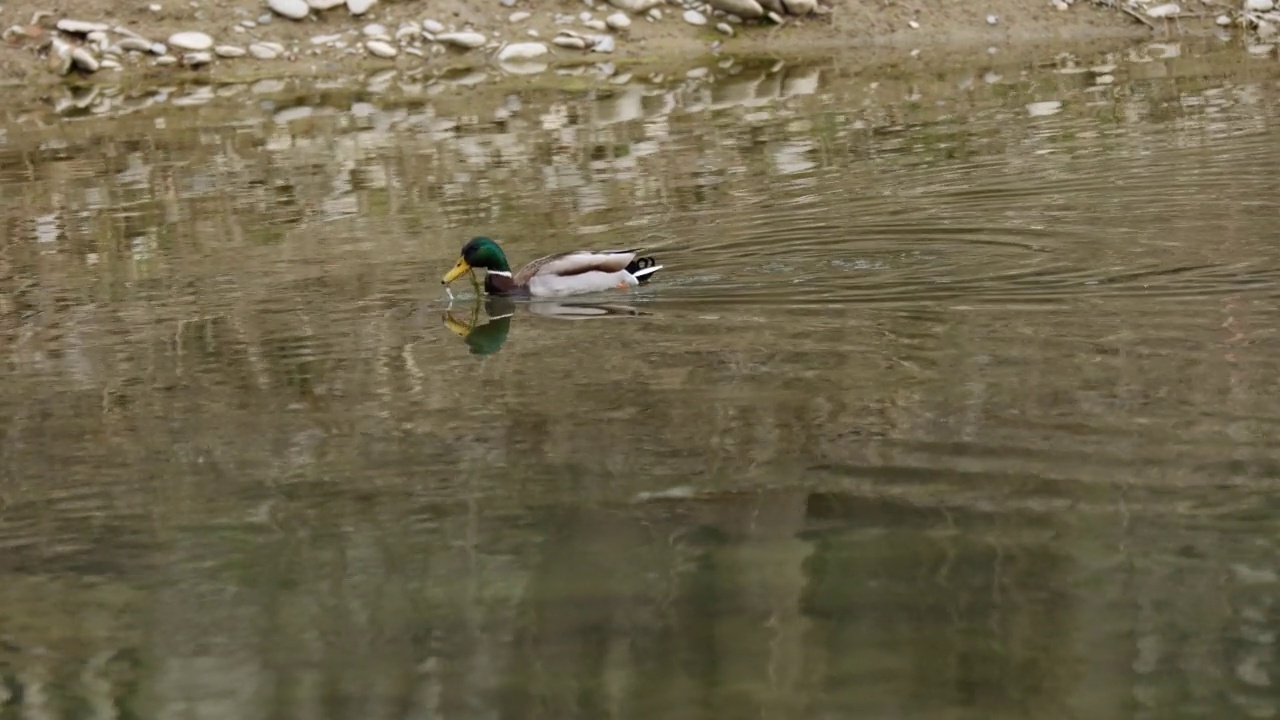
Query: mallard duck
[{"x": 559, "y": 275}]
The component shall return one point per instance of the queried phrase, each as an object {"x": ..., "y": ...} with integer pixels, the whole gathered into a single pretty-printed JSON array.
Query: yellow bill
[{"x": 458, "y": 270}]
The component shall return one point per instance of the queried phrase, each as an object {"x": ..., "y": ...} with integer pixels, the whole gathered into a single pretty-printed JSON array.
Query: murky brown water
[{"x": 950, "y": 403}]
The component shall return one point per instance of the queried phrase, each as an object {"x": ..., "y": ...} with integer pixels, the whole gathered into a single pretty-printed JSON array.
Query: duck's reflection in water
[{"x": 488, "y": 337}]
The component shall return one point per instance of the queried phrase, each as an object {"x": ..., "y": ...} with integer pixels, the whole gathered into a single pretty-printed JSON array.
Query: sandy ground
[{"x": 850, "y": 25}]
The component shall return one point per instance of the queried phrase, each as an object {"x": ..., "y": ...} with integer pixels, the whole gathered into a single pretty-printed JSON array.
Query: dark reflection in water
[{"x": 950, "y": 402}]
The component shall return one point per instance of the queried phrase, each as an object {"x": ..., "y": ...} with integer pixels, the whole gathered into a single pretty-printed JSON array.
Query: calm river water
[{"x": 958, "y": 396}]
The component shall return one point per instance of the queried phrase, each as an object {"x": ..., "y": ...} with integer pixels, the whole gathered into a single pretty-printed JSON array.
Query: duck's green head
[{"x": 479, "y": 252}]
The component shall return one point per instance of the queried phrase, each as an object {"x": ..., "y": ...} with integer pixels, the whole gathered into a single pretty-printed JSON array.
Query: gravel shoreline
[{"x": 93, "y": 39}]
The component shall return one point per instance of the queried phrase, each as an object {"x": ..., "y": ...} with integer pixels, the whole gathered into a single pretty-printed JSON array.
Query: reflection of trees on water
[{"x": 228, "y": 421}]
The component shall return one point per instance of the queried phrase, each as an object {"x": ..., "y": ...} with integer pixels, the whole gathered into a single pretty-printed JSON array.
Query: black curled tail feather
[{"x": 643, "y": 268}]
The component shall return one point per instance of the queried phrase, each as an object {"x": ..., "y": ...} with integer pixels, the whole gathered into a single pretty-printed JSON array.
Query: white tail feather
[{"x": 646, "y": 271}]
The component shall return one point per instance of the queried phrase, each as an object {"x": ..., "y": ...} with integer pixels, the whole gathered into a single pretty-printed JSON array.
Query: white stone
[
  {"x": 196, "y": 59},
  {"x": 569, "y": 41},
  {"x": 520, "y": 16},
  {"x": 618, "y": 21},
  {"x": 374, "y": 30},
  {"x": 432, "y": 27},
  {"x": 603, "y": 44},
  {"x": 292, "y": 9},
  {"x": 1164, "y": 11},
  {"x": 693, "y": 17},
  {"x": 635, "y": 6},
  {"x": 408, "y": 30},
  {"x": 467, "y": 40},
  {"x": 135, "y": 45},
  {"x": 263, "y": 51},
  {"x": 992, "y": 19},
  {"x": 800, "y": 7},
  {"x": 194, "y": 41},
  {"x": 655, "y": 14},
  {"x": 741, "y": 8},
  {"x": 381, "y": 48},
  {"x": 80, "y": 27},
  {"x": 522, "y": 51},
  {"x": 1061, "y": 5},
  {"x": 325, "y": 4},
  {"x": 597, "y": 25},
  {"x": 326, "y": 39},
  {"x": 1259, "y": 5},
  {"x": 725, "y": 28},
  {"x": 84, "y": 60},
  {"x": 166, "y": 60},
  {"x": 1223, "y": 20},
  {"x": 229, "y": 51},
  {"x": 360, "y": 7}
]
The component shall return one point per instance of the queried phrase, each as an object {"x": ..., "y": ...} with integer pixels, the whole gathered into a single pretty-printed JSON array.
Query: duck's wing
[{"x": 577, "y": 262}]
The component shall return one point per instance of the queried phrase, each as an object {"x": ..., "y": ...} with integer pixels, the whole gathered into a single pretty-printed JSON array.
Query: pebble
[
  {"x": 381, "y": 48},
  {"x": 166, "y": 60},
  {"x": 1061, "y": 5},
  {"x": 432, "y": 27},
  {"x": 462, "y": 39},
  {"x": 635, "y": 6},
  {"x": 992, "y": 19},
  {"x": 800, "y": 7},
  {"x": 360, "y": 7},
  {"x": 741, "y": 8},
  {"x": 229, "y": 51},
  {"x": 655, "y": 14},
  {"x": 618, "y": 21},
  {"x": 569, "y": 41},
  {"x": 1223, "y": 20},
  {"x": 725, "y": 28},
  {"x": 84, "y": 60},
  {"x": 1252, "y": 5},
  {"x": 913, "y": 24},
  {"x": 135, "y": 45},
  {"x": 154, "y": 7},
  {"x": 265, "y": 51},
  {"x": 408, "y": 30},
  {"x": 774, "y": 17},
  {"x": 519, "y": 16},
  {"x": 1164, "y": 11},
  {"x": 196, "y": 59},
  {"x": 192, "y": 40},
  {"x": 326, "y": 39},
  {"x": 80, "y": 27},
  {"x": 110, "y": 64},
  {"x": 597, "y": 25},
  {"x": 693, "y": 17},
  {"x": 374, "y": 30},
  {"x": 522, "y": 51},
  {"x": 604, "y": 44},
  {"x": 292, "y": 9},
  {"x": 325, "y": 4}
]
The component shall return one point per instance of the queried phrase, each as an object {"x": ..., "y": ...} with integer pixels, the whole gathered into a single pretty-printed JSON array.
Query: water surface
[{"x": 956, "y": 397}]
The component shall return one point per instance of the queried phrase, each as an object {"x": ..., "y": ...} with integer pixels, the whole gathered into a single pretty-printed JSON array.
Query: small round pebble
[
  {"x": 381, "y": 48},
  {"x": 166, "y": 60},
  {"x": 196, "y": 59},
  {"x": 292, "y": 9},
  {"x": 618, "y": 21},
  {"x": 229, "y": 51},
  {"x": 693, "y": 17},
  {"x": 195, "y": 41},
  {"x": 263, "y": 51},
  {"x": 360, "y": 7},
  {"x": 725, "y": 28}
]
